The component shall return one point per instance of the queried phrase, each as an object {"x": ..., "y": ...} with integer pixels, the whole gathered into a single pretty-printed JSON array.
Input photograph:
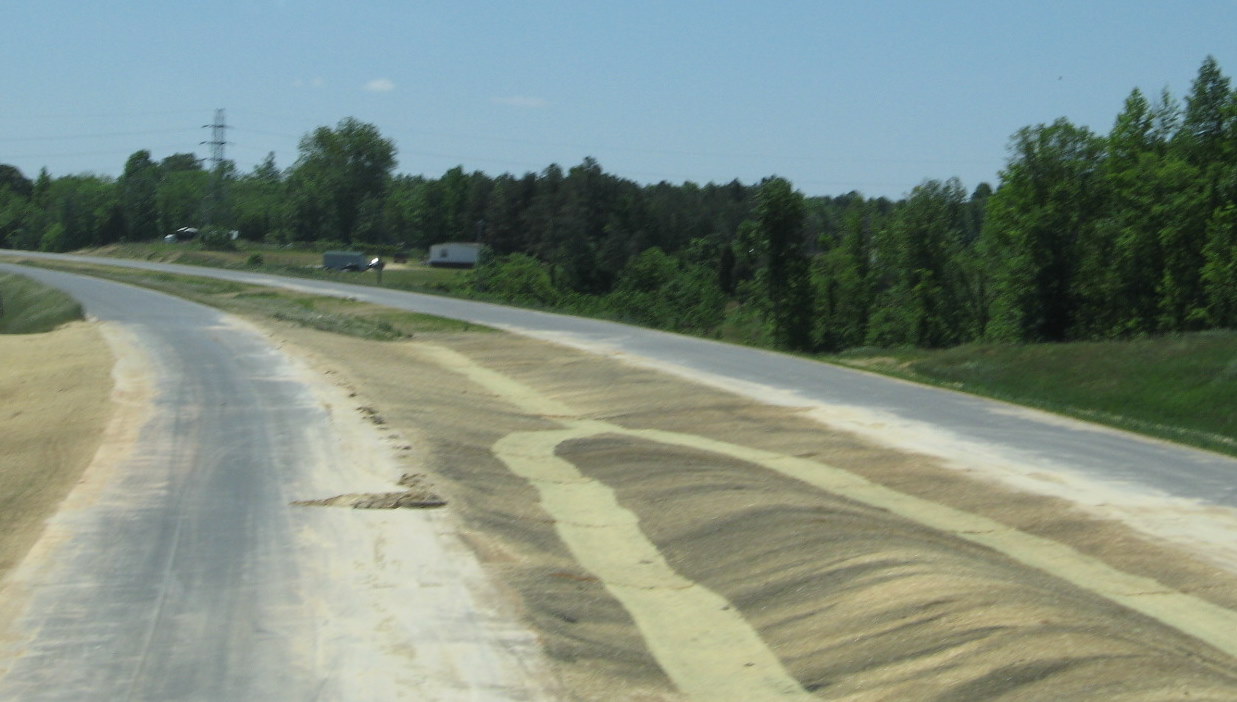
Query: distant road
[{"x": 965, "y": 428}]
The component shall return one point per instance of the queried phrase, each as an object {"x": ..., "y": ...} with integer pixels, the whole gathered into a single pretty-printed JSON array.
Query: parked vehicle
[{"x": 344, "y": 261}]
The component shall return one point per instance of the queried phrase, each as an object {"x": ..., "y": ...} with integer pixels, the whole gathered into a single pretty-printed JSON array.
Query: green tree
[
  {"x": 42, "y": 185},
  {"x": 371, "y": 224},
  {"x": 16, "y": 209},
  {"x": 259, "y": 208},
  {"x": 659, "y": 290},
  {"x": 517, "y": 278},
  {"x": 336, "y": 171},
  {"x": 920, "y": 304},
  {"x": 452, "y": 199},
  {"x": 13, "y": 181},
  {"x": 504, "y": 232},
  {"x": 1121, "y": 269},
  {"x": 179, "y": 198},
  {"x": 401, "y": 213},
  {"x": 1220, "y": 268},
  {"x": 1040, "y": 216},
  {"x": 779, "y": 221},
  {"x": 81, "y": 211},
  {"x": 1199, "y": 190},
  {"x": 648, "y": 272},
  {"x": 840, "y": 275},
  {"x": 183, "y": 187},
  {"x": 16, "y": 214},
  {"x": 1207, "y": 113},
  {"x": 180, "y": 162},
  {"x": 139, "y": 186},
  {"x": 573, "y": 242},
  {"x": 541, "y": 218},
  {"x": 1180, "y": 212}
]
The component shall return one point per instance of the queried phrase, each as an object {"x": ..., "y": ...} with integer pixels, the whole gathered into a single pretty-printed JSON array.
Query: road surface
[{"x": 183, "y": 572}]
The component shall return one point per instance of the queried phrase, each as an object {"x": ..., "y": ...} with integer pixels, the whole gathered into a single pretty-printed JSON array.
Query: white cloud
[
  {"x": 380, "y": 85},
  {"x": 522, "y": 101},
  {"x": 315, "y": 82}
]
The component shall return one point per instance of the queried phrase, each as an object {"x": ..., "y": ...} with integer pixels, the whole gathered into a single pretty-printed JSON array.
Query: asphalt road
[
  {"x": 191, "y": 578},
  {"x": 965, "y": 428},
  {"x": 159, "y": 594}
]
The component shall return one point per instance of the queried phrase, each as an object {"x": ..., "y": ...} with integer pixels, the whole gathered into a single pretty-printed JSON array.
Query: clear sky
[{"x": 867, "y": 96}]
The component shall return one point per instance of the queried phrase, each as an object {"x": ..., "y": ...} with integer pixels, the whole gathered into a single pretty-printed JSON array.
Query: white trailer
[{"x": 454, "y": 255}]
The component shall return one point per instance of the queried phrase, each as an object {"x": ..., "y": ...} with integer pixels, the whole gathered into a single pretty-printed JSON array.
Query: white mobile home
[{"x": 454, "y": 255}]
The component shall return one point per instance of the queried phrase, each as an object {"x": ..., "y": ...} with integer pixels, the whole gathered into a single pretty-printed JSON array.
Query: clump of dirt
[
  {"x": 372, "y": 415},
  {"x": 417, "y": 496}
]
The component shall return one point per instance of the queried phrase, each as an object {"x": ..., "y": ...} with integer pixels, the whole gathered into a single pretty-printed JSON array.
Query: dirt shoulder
[
  {"x": 544, "y": 453},
  {"x": 55, "y": 401}
]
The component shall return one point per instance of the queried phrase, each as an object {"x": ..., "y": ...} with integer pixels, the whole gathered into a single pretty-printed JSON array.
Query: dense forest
[{"x": 1086, "y": 236}]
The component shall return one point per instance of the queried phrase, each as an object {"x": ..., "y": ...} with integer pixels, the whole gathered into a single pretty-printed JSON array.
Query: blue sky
[{"x": 867, "y": 96}]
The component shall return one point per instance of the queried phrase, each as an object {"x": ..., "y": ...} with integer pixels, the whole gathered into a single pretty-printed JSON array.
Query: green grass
[
  {"x": 27, "y": 307},
  {"x": 1182, "y": 388},
  {"x": 331, "y": 314}
]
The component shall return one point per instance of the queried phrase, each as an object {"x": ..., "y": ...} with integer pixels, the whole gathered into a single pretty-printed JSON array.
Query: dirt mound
[{"x": 856, "y": 601}]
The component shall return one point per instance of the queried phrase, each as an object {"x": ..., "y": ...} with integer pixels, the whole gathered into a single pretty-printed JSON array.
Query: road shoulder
[{"x": 56, "y": 395}]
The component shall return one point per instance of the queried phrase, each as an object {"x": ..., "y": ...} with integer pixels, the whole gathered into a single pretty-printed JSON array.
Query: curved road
[
  {"x": 968, "y": 430},
  {"x": 186, "y": 575}
]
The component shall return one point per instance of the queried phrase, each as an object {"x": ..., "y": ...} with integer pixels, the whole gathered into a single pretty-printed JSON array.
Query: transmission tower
[{"x": 213, "y": 206}]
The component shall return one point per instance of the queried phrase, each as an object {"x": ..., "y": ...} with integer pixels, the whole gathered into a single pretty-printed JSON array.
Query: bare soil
[
  {"x": 857, "y": 602},
  {"x": 54, "y": 405}
]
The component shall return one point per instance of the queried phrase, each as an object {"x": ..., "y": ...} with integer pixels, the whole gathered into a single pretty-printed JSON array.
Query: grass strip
[
  {"x": 1182, "y": 388},
  {"x": 331, "y": 314},
  {"x": 28, "y": 307}
]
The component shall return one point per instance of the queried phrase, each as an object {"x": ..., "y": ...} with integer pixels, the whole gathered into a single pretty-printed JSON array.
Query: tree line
[{"x": 1086, "y": 235}]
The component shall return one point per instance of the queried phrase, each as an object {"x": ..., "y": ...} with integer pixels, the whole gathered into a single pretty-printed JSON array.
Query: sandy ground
[
  {"x": 54, "y": 406},
  {"x": 715, "y": 535},
  {"x": 671, "y": 541}
]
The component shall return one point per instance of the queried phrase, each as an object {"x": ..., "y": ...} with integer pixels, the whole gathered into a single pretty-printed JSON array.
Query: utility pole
[{"x": 218, "y": 140}]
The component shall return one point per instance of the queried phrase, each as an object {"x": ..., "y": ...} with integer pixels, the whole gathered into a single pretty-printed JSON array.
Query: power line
[
  {"x": 218, "y": 140},
  {"x": 99, "y": 115},
  {"x": 92, "y": 136},
  {"x": 105, "y": 152}
]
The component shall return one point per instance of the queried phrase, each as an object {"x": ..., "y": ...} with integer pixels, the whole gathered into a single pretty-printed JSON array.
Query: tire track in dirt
[{"x": 532, "y": 456}]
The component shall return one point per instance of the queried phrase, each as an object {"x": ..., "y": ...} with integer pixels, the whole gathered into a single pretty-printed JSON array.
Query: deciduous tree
[
  {"x": 1046, "y": 205},
  {"x": 139, "y": 186},
  {"x": 336, "y": 171},
  {"x": 779, "y": 221}
]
